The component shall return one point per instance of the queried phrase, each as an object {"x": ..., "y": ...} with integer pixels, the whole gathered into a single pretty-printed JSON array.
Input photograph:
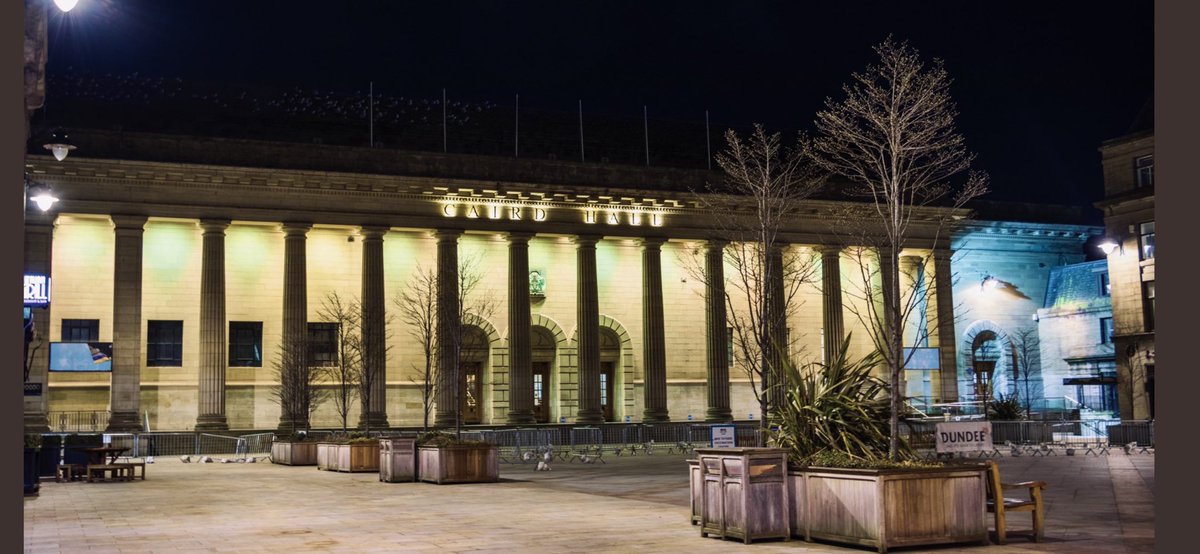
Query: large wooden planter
[
  {"x": 398, "y": 460},
  {"x": 294, "y": 453},
  {"x": 695, "y": 481},
  {"x": 743, "y": 493},
  {"x": 460, "y": 463},
  {"x": 352, "y": 457},
  {"x": 890, "y": 507}
]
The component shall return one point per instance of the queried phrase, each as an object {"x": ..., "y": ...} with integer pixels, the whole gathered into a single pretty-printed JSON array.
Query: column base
[
  {"x": 589, "y": 416},
  {"x": 36, "y": 422},
  {"x": 212, "y": 422},
  {"x": 521, "y": 417},
  {"x": 288, "y": 426},
  {"x": 123, "y": 422},
  {"x": 655, "y": 416},
  {"x": 443, "y": 420},
  {"x": 718, "y": 415},
  {"x": 376, "y": 420}
]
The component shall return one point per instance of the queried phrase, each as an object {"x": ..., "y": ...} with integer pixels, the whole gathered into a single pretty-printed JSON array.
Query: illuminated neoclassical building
[{"x": 197, "y": 258}]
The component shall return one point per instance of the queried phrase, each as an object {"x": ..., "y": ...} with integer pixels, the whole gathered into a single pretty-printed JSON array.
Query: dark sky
[{"x": 1039, "y": 84}]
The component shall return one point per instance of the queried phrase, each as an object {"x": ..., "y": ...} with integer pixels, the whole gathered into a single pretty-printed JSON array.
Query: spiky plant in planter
[{"x": 835, "y": 413}]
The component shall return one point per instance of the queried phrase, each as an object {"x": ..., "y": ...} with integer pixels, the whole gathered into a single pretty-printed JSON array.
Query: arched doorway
[
  {"x": 986, "y": 351},
  {"x": 472, "y": 357},
  {"x": 610, "y": 358},
  {"x": 544, "y": 348}
]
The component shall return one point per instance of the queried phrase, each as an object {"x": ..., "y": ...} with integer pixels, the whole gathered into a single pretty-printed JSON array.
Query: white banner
[{"x": 965, "y": 436}]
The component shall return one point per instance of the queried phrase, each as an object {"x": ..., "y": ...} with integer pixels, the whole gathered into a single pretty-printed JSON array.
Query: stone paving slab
[{"x": 640, "y": 503}]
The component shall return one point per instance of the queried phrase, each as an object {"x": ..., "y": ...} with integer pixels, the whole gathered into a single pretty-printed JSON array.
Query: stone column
[
  {"x": 653, "y": 337},
  {"x": 447, "y": 323},
  {"x": 588, "y": 325},
  {"x": 944, "y": 293},
  {"x": 716, "y": 326},
  {"x": 520, "y": 353},
  {"x": 295, "y": 312},
  {"x": 374, "y": 327},
  {"x": 831, "y": 301},
  {"x": 915, "y": 297},
  {"x": 127, "y": 324},
  {"x": 775, "y": 317},
  {"x": 39, "y": 235},
  {"x": 213, "y": 359}
]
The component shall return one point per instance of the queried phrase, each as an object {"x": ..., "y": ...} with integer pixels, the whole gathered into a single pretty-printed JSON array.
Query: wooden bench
[
  {"x": 998, "y": 504},
  {"x": 110, "y": 472},
  {"x": 70, "y": 472}
]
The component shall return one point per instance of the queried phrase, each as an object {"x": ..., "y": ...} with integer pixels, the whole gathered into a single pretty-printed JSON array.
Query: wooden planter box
[
  {"x": 744, "y": 493},
  {"x": 460, "y": 463},
  {"x": 398, "y": 460},
  {"x": 890, "y": 507},
  {"x": 352, "y": 458},
  {"x": 294, "y": 453},
  {"x": 695, "y": 481}
]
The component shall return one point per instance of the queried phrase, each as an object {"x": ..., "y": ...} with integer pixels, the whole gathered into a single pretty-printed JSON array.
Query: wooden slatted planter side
[
  {"x": 890, "y": 508},
  {"x": 460, "y": 463},
  {"x": 294, "y": 453}
]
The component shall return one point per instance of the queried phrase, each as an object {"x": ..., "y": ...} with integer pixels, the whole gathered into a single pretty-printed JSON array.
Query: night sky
[{"x": 1039, "y": 85}]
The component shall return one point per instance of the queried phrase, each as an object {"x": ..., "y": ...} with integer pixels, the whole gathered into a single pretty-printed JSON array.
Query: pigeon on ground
[
  {"x": 149, "y": 459},
  {"x": 185, "y": 459}
]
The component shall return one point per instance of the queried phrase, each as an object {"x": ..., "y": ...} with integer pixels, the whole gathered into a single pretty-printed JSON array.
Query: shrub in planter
[{"x": 443, "y": 458}]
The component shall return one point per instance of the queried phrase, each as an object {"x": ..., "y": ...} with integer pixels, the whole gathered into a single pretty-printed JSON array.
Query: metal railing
[
  {"x": 1113, "y": 432},
  {"x": 84, "y": 421}
]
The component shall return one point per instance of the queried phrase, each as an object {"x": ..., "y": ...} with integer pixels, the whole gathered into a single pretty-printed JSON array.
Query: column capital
[
  {"x": 128, "y": 222},
  {"x": 373, "y": 231},
  {"x": 942, "y": 253},
  {"x": 291, "y": 228},
  {"x": 717, "y": 244},
  {"x": 214, "y": 225},
  {"x": 444, "y": 235},
  {"x": 586, "y": 240},
  {"x": 829, "y": 249},
  {"x": 519, "y": 237},
  {"x": 652, "y": 242}
]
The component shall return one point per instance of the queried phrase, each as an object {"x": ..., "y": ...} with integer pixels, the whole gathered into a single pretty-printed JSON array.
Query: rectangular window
[
  {"x": 1146, "y": 241},
  {"x": 1144, "y": 169},
  {"x": 537, "y": 390},
  {"x": 1105, "y": 285},
  {"x": 80, "y": 330},
  {"x": 245, "y": 343},
  {"x": 322, "y": 344},
  {"x": 1148, "y": 304},
  {"x": 164, "y": 343},
  {"x": 1106, "y": 330}
]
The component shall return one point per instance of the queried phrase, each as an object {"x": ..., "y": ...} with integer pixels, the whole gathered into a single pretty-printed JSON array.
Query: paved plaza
[{"x": 1095, "y": 504}]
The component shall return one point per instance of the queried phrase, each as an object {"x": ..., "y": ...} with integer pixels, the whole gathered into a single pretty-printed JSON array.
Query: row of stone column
[{"x": 213, "y": 323}]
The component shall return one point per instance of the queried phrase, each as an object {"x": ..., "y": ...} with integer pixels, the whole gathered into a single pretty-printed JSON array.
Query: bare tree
[
  {"x": 473, "y": 308},
  {"x": 417, "y": 303},
  {"x": 893, "y": 138},
  {"x": 298, "y": 393},
  {"x": 346, "y": 370},
  {"x": 1026, "y": 363},
  {"x": 368, "y": 379},
  {"x": 765, "y": 183}
]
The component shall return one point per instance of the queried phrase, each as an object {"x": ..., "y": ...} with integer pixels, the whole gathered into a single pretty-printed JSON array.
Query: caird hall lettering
[
  {"x": 494, "y": 211},
  {"x": 519, "y": 213}
]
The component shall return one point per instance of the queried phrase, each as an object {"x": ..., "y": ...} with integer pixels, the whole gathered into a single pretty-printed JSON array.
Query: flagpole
[
  {"x": 707, "y": 141},
  {"x": 646, "y": 133}
]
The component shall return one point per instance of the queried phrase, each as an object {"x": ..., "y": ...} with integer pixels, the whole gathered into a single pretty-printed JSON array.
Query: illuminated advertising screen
[
  {"x": 37, "y": 290},
  {"x": 81, "y": 356}
]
